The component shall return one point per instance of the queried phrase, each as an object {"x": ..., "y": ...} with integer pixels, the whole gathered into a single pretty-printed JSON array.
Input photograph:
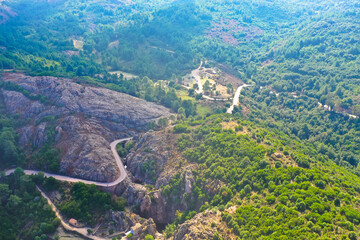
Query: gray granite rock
[{"x": 86, "y": 120}]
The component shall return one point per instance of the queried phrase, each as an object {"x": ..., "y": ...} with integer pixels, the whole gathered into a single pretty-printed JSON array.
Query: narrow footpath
[{"x": 122, "y": 176}]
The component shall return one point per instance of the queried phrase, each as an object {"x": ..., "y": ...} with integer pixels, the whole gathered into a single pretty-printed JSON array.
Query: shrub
[
  {"x": 337, "y": 202},
  {"x": 247, "y": 189},
  {"x": 283, "y": 199},
  {"x": 320, "y": 184},
  {"x": 181, "y": 128},
  {"x": 271, "y": 199},
  {"x": 352, "y": 236},
  {"x": 149, "y": 237},
  {"x": 217, "y": 236},
  {"x": 300, "y": 206},
  {"x": 318, "y": 208}
]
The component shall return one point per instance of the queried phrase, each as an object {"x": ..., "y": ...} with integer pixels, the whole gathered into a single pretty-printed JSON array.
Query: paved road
[
  {"x": 119, "y": 163},
  {"x": 196, "y": 75},
  {"x": 236, "y": 98},
  {"x": 81, "y": 231}
]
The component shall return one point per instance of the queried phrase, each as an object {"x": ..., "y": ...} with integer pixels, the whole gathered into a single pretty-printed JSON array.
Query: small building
[
  {"x": 134, "y": 230},
  {"x": 73, "y": 222},
  {"x": 129, "y": 233}
]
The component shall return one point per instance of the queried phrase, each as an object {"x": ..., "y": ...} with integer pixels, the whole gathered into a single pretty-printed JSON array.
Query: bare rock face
[
  {"x": 89, "y": 145},
  {"x": 153, "y": 160},
  {"x": 189, "y": 181},
  {"x": 125, "y": 221},
  {"x": 203, "y": 226},
  {"x": 159, "y": 209},
  {"x": 83, "y": 120},
  {"x": 158, "y": 203},
  {"x": 148, "y": 158},
  {"x": 151, "y": 205},
  {"x": 40, "y": 136}
]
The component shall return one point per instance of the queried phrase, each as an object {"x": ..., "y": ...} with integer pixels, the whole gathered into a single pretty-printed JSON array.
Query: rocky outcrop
[
  {"x": 158, "y": 148},
  {"x": 156, "y": 207},
  {"x": 149, "y": 156},
  {"x": 189, "y": 181},
  {"x": 116, "y": 223},
  {"x": 157, "y": 200},
  {"x": 64, "y": 96},
  {"x": 203, "y": 226},
  {"x": 80, "y": 120},
  {"x": 150, "y": 204},
  {"x": 122, "y": 221}
]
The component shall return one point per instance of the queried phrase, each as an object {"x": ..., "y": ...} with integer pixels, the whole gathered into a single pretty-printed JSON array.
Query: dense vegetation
[
  {"x": 291, "y": 164},
  {"x": 282, "y": 187},
  {"x": 161, "y": 93},
  {"x": 10, "y": 154},
  {"x": 24, "y": 214},
  {"x": 333, "y": 134},
  {"x": 285, "y": 45},
  {"x": 87, "y": 203}
]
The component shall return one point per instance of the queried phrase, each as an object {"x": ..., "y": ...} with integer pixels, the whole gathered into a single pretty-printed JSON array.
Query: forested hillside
[
  {"x": 281, "y": 164},
  {"x": 281, "y": 187}
]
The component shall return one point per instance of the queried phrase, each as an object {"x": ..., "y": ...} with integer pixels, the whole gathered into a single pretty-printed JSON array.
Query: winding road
[
  {"x": 119, "y": 163},
  {"x": 81, "y": 231},
  {"x": 236, "y": 98},
  {"x": 196, "y": 74}
]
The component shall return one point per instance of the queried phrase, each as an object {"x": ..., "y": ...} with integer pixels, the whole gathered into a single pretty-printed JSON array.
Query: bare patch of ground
[
  {"x": 78, "y": 44},
  {"x": 66, "y": 235},
  {"x": 126, "y": 75},
  {"x": 188, "y": 80},
  {"x": 92, "y": 27},
  {"x": 229, "y": 76},
  {"x": 113, "y": 44},
  {"x": 266, "y": 63},
  {"x": 204, "y": 226},
  {"x": 232, "y": 32},
  {"x": 5, "y": 14},
  {"x": 283, "y": 159},
  {"x": 229, "y": 125},
  {"x": 218, "y": 80},
  {"x": 71, "y": 53},
  {"x": 166, "y": 50}
]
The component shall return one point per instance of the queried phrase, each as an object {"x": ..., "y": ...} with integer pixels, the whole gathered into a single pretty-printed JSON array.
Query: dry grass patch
[{"x": 229, "y": 125}]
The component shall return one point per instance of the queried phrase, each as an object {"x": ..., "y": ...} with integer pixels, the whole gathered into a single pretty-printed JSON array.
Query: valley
[{"x": 179, "y": 119}]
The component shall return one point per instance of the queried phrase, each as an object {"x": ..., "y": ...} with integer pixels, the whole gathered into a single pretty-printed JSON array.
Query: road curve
[
  {"x": 196, "y": 75},
  {"x": 81, "y": 231},
  {"x": 236, "y": 98},
  {"x": 119, "y": 163}
]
